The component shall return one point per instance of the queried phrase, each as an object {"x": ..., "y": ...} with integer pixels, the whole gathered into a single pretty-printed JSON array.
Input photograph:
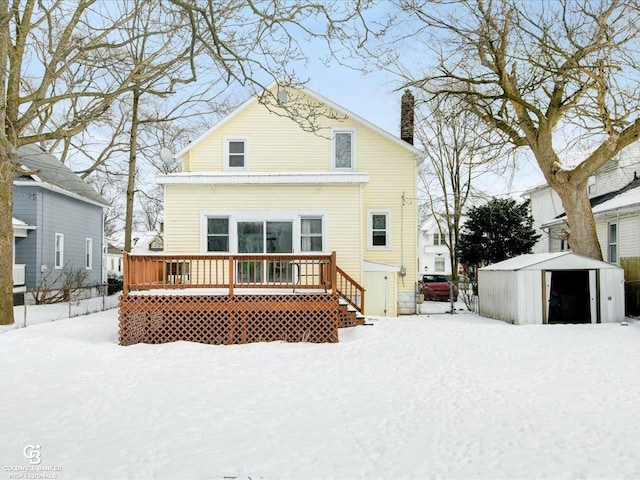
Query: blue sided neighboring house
[{"x": 64, "y": 215}]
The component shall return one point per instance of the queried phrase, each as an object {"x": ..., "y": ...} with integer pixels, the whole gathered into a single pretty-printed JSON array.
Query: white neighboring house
[
  {"x": 142, "y": 243},
  {"x": 114, "y": 260},
  {"x": 433, "y": 251},
  {"x": 617, "y": 216},
  {"x": 546, "y": 206}
]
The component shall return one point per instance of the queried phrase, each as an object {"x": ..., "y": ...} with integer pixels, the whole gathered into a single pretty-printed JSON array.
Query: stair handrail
[{"x": 349, "y": 290}]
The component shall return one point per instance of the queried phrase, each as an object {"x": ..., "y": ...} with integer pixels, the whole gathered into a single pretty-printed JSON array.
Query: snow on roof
[
  {"x": 140, "y": 241},
  {"x": 550, "y": 261},
  {"x": 625, "y": 199},
  {"x": 17, "y": 223}
]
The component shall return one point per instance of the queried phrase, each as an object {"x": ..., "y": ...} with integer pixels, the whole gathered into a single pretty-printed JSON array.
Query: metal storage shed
[{"x": 558, "y": 287}]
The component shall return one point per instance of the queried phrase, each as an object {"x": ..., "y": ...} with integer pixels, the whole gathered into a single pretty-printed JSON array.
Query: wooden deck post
[
  {"x": 125, "y": 273},
  {"x": 230, "y": 276},
  {"x": 334, "y": 273}
]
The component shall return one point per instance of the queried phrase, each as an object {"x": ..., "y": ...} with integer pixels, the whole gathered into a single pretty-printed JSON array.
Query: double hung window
[
  {"x": 311, "y": 235},
  {"x": 379, "y": 226},
  {"x": 236, "y": 153},
  {"x": 612, "y": 240},
  {"x": 59, "y": 251},
  {"x": 88, "y": 255},
  {"x": 217, "y": 234}
]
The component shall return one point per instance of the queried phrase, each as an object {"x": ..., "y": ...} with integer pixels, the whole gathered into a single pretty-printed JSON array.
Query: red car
[{"x": 436, "y": 287}]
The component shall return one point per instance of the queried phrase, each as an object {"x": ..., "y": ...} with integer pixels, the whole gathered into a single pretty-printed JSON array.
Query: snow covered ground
[{"x": 425, "y": 396}]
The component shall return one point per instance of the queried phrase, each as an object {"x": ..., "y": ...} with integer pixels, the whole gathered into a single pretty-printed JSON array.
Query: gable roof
[
  {"x": 550, "y": 261},
  {"x": 49, "y": 172},
  {"x": 316, "y": 96}
]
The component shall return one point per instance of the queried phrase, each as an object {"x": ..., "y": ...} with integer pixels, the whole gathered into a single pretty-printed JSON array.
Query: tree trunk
[
  {"x": 131, "y": 183},
  {"x": 583, "y": 238},
  {"x": 6, "y": 238}
]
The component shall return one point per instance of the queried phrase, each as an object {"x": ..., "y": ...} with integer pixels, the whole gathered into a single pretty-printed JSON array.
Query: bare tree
[
  {"x": 65, "y": 63},
  {"x": 459, "y": 154},
  {"x": 554, "y": 77},
  {"x": 53, "y": 85}
]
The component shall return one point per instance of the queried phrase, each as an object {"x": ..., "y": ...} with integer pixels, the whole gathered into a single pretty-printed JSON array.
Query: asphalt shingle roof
[{"x": 50, "y": 170}]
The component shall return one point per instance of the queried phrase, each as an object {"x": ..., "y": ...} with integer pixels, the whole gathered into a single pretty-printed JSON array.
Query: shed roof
[
  {"x": 47, "y": 169},
  {"x": 550, "y": 261}
]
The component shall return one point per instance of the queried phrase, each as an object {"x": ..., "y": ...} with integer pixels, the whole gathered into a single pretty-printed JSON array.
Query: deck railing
[
  {"x": 240, "y": 271},
  {"x": 349, "y": 289}
]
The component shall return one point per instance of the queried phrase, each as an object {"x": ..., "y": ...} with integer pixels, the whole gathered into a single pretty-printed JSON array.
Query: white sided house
[
  {"x": 434, "y": 253},
  {"x": 546, "y": 207},
  {"x": 520, "y": 290}
]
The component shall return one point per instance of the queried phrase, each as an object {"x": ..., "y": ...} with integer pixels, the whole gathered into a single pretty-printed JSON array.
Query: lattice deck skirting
[{"x": 222, "y": 319}]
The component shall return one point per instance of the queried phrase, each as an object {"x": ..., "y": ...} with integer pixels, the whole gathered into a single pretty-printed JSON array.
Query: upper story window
[
  {"x": 612, "y": 243},
  {"x": 591, "y": 185},
  {"x": 438, "y": 239},
  {"x": 236, "y": 153},
  {"x": 343, "y": 148},
  {"x": 379, "y": 235},
  {"x": 59, "y": 251}
]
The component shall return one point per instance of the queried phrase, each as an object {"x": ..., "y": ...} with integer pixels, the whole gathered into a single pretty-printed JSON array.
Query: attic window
[
  {"x": 343, "y": 147},
  {"x": 236, "y": 153}
]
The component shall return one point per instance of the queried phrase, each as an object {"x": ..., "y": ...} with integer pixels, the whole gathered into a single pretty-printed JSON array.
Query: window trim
[
  {"x": 236, "y": 216},
  {"x": 435, "y": 264},
  {"x": 612, "y": 244},
  {"x": 337, "y": 130},
  {"x": 227, "y": 139},
  {"x": 58, "y": 247},
  {"x": 88, "y": 253},
  {"x": 592, "y": 185},
  {"x": 370, "y": 214},
  {"x": 206, "y": 233},
  {"x": 321, "y": 235}
]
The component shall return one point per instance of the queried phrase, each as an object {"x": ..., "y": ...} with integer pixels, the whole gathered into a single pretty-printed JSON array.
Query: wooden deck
[{"x": 236, "y": 298}]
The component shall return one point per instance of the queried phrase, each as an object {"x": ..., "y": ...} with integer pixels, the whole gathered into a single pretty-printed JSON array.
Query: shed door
[
  {"x": 570, "y": 297},
  {"x": 377, "y": 297}
]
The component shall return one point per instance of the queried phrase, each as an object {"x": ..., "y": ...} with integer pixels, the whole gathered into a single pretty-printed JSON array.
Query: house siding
[
  {"x": 545, "y": 206},
  {"x": 341, "y": 203},
  {"x": 278, "y": 144},
  {"x": 57, "y": 213}
]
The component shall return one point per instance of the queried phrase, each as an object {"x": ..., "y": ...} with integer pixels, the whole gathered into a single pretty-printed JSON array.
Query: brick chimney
[{"x": 406, "y": 117}]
